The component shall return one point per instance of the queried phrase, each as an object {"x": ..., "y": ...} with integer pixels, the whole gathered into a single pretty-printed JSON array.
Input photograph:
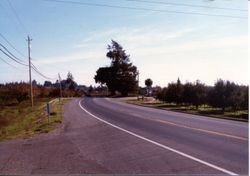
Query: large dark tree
[{"x": 121, "y": 74}]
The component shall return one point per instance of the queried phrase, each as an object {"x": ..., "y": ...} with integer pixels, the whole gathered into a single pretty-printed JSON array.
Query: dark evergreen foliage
[{"x": 121, "y": 74}]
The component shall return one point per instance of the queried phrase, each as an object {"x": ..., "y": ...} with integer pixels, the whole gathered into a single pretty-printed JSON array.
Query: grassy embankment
[
  {"x": 202, "y": 110},
  {"x": 23, "y": 121}
]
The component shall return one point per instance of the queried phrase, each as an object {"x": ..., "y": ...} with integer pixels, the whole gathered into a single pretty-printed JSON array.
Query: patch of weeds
[{"x": 24, "y": 121}]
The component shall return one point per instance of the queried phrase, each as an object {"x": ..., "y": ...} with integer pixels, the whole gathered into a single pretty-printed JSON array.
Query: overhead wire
[
  {"x": 188, "y": 5},
  {"x": 11, "y": 45},
  {"x": 17, "y": 17},
  {"x": 38, "y": 72},
  {"x": 8, "y": 63},
  {"x": 10, "y": 53},
  {"x": 19, "y": 61},
  {"x": 11, "y": 17},
  {"x": 12, "y": 58},
  {"x": 51, "y": 66},
  {"x": 142, "y": 9}
]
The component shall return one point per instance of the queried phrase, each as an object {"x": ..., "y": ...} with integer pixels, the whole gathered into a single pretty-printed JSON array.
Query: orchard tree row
[{"x": 224, "y": 94}]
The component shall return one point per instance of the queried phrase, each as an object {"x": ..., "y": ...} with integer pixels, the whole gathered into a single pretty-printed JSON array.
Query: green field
[
  {"x": 206, "y": 110},
  {"x": 23, "y": 121}
]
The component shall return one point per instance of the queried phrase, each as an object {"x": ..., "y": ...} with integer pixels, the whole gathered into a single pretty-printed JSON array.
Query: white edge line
[{"x": 160, "y": 145}]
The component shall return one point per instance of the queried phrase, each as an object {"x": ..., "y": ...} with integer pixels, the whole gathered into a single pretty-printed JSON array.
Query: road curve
[
  {"x": 222, "y": 143},
  {"x": 105, "y": 136}
]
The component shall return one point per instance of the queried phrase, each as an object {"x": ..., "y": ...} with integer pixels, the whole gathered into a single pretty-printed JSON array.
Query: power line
[
  {"x": 17, "y": 17},
  {"x": 17, "y": 61},
  {"x": 38, "y": 72},
  {"x": 10, "y": 53},
  {"x": 14, "y": 58},
  {"x": 142, "y": 9},
  {"x": 51, "y": 66},
  {"x": 12, "y": 45},
  {"x": 188, "y": 5},
  {"x": 32, "y": 66},
  {"x": 8, "y": 63},
  {"x": 9, "y": 56}
]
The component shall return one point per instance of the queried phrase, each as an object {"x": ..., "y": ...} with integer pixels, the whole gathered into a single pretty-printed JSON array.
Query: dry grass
[{"x": 24, "y": 121}]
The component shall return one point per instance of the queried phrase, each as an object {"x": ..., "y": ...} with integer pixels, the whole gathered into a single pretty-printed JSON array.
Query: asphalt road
[{"x": 107, "y": 136}]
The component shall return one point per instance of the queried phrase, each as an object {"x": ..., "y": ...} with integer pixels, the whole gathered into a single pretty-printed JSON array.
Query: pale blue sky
[{"x": 164, "y": 46}]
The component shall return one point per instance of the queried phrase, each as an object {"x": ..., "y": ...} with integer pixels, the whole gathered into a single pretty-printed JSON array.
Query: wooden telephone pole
[{"x": 31, "y": 89}]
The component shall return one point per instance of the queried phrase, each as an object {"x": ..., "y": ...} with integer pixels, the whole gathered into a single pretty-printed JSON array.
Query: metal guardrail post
[{"x": 48, "y": 111}]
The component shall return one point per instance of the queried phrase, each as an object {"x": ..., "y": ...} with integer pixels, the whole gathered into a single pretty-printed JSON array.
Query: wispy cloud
[
  {"x": 168, "y": 53},
  {"x": 94, "y": 46},
  {"x": 134, "y": 37},
  {"x": 147, "y": 41},
  {"x": 71, "y": 57},
  {"x": 199, "y": 45}
]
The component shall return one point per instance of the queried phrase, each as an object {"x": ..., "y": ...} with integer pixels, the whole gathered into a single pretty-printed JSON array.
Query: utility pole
[
  {"x": 60, "y": 85},
  {"x": 31, "y": 89},
  {"x": 138, "y": 97}
]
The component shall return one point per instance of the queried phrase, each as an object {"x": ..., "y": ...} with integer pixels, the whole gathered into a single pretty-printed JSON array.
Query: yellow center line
[
  {"x": 192, "y": 128},
  {"x": 202, "y": 130}
]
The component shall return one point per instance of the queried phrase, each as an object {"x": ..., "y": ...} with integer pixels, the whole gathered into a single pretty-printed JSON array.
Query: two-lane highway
[
  {"x": 220, "y": 145},
  {"x": 106, "y": 136}
]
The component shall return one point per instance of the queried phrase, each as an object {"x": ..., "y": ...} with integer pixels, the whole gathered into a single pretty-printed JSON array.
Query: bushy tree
[
  {"x": 174, "y": 92},
  {"x": 161, "y": 95},
  {"x": 148, "y": 82},
  {"x": 216, "y": 96},
  {"x": 227, "y": 94},
  {"x": 199, "y": 95},
  {"x": 121, "y": 74},
  {"x": 188, "y": 93}
]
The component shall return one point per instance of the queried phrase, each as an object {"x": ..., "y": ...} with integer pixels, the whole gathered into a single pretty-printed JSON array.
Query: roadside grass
[
  {"x": 202, "y": 110},
  {"x": 23, "y": 121}
]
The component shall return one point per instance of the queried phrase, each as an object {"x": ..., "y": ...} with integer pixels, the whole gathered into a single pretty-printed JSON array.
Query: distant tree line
[
  {"x": 224, "y": 94},
  {"x": 16, "y": 92}
]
